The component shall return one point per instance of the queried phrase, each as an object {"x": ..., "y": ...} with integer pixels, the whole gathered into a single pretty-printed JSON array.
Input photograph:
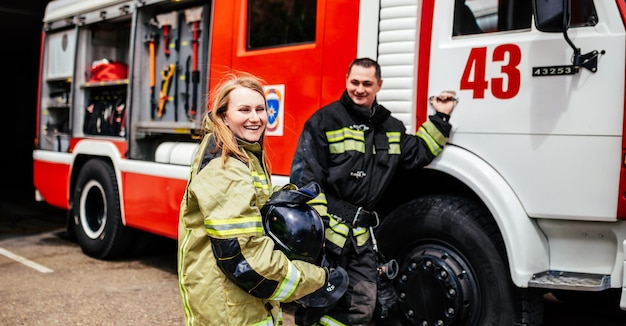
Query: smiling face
[
  {"x": 362, "y": 85},
  {"x": 246, "y": 115}
]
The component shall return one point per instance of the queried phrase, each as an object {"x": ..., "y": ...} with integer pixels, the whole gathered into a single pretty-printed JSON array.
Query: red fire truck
[{"x": 527, "y": 197}]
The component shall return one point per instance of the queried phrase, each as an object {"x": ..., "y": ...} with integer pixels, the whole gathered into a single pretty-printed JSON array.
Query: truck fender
[{"x": 526, "y": 246}]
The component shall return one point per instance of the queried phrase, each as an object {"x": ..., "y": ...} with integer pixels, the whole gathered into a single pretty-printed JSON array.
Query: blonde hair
[{"x": 214, "y": 118}]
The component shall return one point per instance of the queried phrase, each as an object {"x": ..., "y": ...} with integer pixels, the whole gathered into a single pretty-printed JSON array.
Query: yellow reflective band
[
  {"x": 288, "y": 285},
  {"x": 260, "y": 180},
  {"x": 394, "y": 136},
  {"x": 181, "y": 281},
  {"x": 319, "y": 200},
  {"x": 267, "y": 322},
  {"x": 434, "y": 148},
  {"x": 394, "y": 149},
  {"x": 234, "y": 226},
  {"x": 330, "y": 321},
  {"x": 335, "y": 238},
  {"x": 346, "y": 145},
  {"x": 344, "y": 133},
  {"x": 345, "y": 139},
  {"x": 359, "y": 230},
  {"x": 428, "y": 128},
  {"x": 337, "y": 233},
  {"x": 361, "y": 238},
  {"x": 394, "y": 142},
  {"x": 338, "y": 227},
  {"x": 435, "y": 133}
]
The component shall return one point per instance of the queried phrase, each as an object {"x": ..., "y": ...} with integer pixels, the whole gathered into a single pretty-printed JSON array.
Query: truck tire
[
  {"x": 453, "y": 267},
  {"x": 96, "y": 212}
]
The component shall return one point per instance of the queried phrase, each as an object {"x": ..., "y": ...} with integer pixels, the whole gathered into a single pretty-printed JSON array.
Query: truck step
[{"x": 570, "y": 281}]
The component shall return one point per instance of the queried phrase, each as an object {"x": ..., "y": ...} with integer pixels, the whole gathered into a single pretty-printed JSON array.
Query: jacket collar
[
  {"x": 251, "y": 147},
  {"x": 376, "y": 115}
]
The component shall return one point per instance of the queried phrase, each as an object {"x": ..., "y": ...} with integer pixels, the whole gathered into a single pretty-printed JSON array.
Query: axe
[
  {"x": 167, "y": 22},
  {"x": 152, "y": 39},
  {"x": 193, "y": 16}
]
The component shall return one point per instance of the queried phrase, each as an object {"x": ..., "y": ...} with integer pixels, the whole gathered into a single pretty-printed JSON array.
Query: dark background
[{"x": 20, "y": 33}]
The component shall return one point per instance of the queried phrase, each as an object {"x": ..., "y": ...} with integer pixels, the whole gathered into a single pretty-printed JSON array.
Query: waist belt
[{"x": 352, "y": 215}]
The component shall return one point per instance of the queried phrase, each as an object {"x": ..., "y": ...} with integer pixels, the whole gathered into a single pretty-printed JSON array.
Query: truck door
[{"x": 539, "y": 121}]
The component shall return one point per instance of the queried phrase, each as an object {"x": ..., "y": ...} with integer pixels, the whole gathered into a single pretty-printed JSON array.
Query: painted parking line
[{"x": 20, "y": 259}]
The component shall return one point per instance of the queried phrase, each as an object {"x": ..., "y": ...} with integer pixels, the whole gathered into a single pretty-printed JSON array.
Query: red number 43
[{"x": 474, "y": 75}]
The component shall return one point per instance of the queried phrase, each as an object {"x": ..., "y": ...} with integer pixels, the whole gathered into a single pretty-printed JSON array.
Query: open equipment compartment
[
  {"x": 170, "y": 75},
  {"x": 102, "y": 85}
]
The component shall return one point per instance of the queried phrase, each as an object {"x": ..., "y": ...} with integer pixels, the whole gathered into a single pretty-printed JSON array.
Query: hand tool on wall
[
  {"x": 167, "y": 22},
  {"x": 167, "y": 75},
  {"x": 193, "y": 16},
  {"x": 186, "y": 93},
  {"x": 152, "y": 39},
  {"x": 178, "y": 69}
]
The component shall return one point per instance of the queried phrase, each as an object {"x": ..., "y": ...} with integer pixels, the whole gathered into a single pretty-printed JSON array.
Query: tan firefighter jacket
[{"x": 229, "y": 272}]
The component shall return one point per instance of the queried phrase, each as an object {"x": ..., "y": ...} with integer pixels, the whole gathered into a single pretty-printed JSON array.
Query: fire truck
[{"x": 527, "y": 197}]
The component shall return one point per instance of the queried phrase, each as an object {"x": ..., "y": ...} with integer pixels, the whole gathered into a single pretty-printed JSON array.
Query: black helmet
[{"x": 296, "y": 228}]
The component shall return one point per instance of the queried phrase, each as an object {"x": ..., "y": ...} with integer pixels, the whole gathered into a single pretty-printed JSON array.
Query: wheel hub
[
  {"x": 436, "y": 287},
  {"x": 93, "y": 210}
]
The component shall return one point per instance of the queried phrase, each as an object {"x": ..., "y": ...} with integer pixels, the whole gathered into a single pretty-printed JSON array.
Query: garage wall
[{"x": 20, "y": 28}]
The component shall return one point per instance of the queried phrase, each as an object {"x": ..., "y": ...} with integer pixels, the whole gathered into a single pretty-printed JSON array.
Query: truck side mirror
[{"x": 551, "y": 16}]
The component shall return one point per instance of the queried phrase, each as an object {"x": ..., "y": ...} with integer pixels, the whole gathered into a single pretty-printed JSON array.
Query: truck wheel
[
  {"x": 96, "y": 212},
  {"x": 453, "y": 266}
]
